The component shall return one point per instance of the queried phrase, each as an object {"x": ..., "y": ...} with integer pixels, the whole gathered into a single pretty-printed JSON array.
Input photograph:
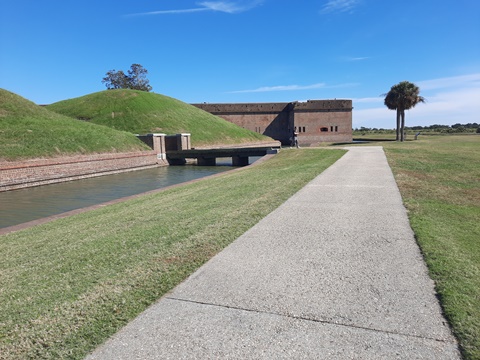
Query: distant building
[{"x": 315, "y": 121}]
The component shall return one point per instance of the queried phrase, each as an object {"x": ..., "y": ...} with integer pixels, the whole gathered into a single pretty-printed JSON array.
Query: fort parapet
[{"x": 315, "y": 121}]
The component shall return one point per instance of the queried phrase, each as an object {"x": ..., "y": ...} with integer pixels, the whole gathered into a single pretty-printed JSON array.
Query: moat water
[{"x": 19, "y": 206}]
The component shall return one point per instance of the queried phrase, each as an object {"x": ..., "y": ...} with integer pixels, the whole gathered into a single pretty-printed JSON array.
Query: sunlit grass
[
  {"x": 141, "y": 112},
  {"x": 439, "y": 179},
  {"x": 30, "y": 131},
  {"x": 70, "y": 284},
  {"x": 106, "y": 122}
]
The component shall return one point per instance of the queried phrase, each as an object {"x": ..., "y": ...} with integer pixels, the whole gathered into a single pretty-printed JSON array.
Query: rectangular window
[
  {"x": 331, "y": 128},
  {"x": 304, "y": 129},
  {"x": 336, "y": 128}
]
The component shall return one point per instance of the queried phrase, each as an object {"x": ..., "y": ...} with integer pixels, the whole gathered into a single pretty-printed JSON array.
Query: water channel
[{"x": 19, "y": 206}]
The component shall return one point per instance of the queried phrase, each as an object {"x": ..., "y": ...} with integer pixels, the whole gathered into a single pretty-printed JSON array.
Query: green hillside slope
[
  {"x": 142, "y": 112},
  {"x": 31, "y": 131}
]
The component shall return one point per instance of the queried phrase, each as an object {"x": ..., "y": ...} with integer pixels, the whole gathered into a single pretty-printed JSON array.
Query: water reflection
[{"x": 24, "y": 205}]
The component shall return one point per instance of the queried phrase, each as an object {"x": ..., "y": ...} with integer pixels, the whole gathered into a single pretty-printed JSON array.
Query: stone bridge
[
  {"x": 207, "y": 157},
  {"x": 176, "y": 149}
]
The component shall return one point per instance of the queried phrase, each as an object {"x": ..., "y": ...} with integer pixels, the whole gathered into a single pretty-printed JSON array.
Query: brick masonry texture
[
  {"x": 28, "y": 173},
  {"x": 315, "y": 121}
]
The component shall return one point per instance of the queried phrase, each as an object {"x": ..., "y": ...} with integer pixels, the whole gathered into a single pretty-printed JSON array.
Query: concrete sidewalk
[{"x": 333, "y": 273}]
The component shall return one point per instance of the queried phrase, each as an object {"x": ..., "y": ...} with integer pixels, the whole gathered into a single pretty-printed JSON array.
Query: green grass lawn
[
  {"x": 439, "y": 179},
  {"x": 70, "y": 284},
  {"x": 106, "y": 122},
  {"x": 142, "y": 112},
  {"x": 31, "y": 131}
]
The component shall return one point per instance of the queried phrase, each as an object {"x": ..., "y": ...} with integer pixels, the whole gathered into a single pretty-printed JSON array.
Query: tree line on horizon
[{"x": 455, "y": 128}]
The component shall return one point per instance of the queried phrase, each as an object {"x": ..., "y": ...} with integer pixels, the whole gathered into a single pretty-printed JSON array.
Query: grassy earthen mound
[
  {"x": 31, "y": 131},
  {"x": 142, "y": 112}
]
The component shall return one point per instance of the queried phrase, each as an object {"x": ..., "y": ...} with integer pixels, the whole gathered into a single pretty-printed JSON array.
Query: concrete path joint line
[
  {"x": 333, "y": 273},
  {"x": 308, "y": 319}
]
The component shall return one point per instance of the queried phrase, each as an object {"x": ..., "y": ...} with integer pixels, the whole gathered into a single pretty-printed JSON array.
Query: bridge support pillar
[
  {"x": 157, "y": 143},
  {"x": 239, "y": 160},
  {"x": 176, "y": 161},
  {"x": 201, "y": 161},
  {"x": 183, "y": 141}
]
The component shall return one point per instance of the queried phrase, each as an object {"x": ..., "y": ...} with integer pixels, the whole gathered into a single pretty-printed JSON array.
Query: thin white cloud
[
  {"x": 360, "y": 58},
  {"x": 339, "y": 86},
  {"x": 449, "y": 82},
  {"x": 164, "y": 12},
  {"x": 280, "y": 88},
  {"x": 456, "y": 103},
  {"x": 353, "y": 58},
  {"x": 339, "y": 6},
  {"x": 230, "y": 7},
  {"x": 368, "y": 100},
  {"x": 449, "y": 100},
  {"x": 293, "y": 88}
]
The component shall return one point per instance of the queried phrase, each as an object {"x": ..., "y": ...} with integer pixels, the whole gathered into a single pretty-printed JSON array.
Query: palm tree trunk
[
  {"x": 402, "y": 127},
  {"x": 398, "y": 125}
]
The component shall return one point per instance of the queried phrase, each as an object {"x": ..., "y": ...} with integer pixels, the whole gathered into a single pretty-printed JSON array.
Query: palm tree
[{"x": 401, "y": 97}]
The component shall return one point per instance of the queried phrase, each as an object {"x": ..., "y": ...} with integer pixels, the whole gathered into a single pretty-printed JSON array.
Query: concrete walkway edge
[{"x": 333, "y": 273}]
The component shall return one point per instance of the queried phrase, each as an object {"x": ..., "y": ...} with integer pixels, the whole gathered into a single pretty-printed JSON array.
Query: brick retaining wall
[
  {"x": 28, "y": 173},
  {"x": 315, "y": 121}
]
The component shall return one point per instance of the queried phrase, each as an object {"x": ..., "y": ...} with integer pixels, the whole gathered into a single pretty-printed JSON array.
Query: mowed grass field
[
  {"x": 68, "y": 285},
  {"x": 439, "y": 179},
  {"x": 106, "y": 122},
  {"x": 30, "y": 131},
  {"x": 141, "y": 112}
]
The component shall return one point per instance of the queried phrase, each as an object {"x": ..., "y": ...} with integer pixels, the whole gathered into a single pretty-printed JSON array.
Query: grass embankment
[
  {"x": 439, "y": 178},
  {"x": 141, "y": 112},
  {"x": 30, "y": 131},
  {"x": 70, "y": 284}
]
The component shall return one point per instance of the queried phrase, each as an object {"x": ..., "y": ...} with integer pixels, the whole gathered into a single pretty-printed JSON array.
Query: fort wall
[
  {"x": 29, "y": 173},
  {"x": 315, "y": 121}
]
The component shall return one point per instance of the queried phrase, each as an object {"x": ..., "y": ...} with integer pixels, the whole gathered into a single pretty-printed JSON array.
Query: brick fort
[{"x": 315, "y": 121}]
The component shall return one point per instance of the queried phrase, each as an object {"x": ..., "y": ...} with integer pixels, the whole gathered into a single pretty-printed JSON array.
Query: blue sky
[{"x": 252, "y": 51}]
